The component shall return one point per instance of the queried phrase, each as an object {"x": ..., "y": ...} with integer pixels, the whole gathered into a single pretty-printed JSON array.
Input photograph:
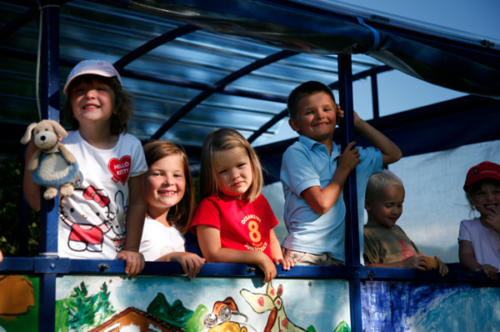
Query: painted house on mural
[{"x": 133, "y": 319}]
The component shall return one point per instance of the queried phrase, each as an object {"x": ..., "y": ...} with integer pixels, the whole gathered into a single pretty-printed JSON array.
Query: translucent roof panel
[{"x": 192, "y": 69}]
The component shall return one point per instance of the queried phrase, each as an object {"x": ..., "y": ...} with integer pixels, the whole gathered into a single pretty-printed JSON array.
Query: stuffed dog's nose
[{"x": 42, "y": 138}]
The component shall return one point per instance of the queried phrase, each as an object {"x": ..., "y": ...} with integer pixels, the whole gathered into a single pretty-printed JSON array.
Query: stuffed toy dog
[{"x": 52, "y": 164}]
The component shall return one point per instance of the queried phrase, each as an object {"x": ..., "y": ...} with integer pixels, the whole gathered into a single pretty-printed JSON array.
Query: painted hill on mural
[{"x": 175, "y": 314}]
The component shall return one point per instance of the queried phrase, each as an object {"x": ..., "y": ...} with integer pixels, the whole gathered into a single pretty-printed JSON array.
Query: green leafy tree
[
  {"x": 86, "y": 311},
  {"x": 13, "y": 234},
  {"x": 80, "y": 309},
  {"x": 104, "y": 308}
]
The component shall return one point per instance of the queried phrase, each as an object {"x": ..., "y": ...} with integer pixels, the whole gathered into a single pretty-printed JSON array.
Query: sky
[
  {"x": 478, "y": 17},
  {"x": 478, "y": 20}
]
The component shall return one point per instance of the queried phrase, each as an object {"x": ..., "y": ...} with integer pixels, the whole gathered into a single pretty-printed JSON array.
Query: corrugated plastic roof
[
  {"x": 169, "y": 76},
  {"x": 195, "y": 66}
]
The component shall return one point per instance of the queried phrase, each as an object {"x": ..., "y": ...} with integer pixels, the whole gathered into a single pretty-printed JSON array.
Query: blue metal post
[
  {"x": 49, "y": 102},
  {"x": 375, "y": 103},
  {"x": 350, "y": 193}
]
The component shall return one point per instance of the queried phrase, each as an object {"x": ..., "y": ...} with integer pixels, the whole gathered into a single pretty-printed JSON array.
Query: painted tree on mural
[
  {"x": 104, "y": 309},
  {"x": 85, "y": 311}
]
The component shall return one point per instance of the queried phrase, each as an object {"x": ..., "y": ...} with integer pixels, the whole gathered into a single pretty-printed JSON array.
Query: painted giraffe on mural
[{"x": 271, "y": 301}]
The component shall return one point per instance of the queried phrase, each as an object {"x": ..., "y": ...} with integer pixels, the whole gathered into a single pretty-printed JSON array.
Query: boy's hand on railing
[
  {"x": 415, "y": 262},
  {"x": 442, "y": 267}
]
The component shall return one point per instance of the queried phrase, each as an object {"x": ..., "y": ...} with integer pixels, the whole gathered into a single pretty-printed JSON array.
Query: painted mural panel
[
  {"x": 18, "y": 303},
  {"x": 116, "y": 303},
  {"x": 410, "y": 306}
]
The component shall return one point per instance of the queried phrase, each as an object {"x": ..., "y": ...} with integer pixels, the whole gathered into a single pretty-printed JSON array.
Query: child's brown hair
[
  {"x": 122, "y": 109},
  {"x": 477, "y": 175},
  {"x": 181, "y": 214},
  {"x": 305, "y": 89}
]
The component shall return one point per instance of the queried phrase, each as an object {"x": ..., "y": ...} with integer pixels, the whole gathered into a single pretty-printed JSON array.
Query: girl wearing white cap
[{"x": 103, "y": 218}]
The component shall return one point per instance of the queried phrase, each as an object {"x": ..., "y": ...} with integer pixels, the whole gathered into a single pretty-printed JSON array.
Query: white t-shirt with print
[{"x": 92, "y": 219}]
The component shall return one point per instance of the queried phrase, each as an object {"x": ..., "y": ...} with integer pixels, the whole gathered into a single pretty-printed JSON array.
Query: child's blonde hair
[
  {"x": 226, "y": 139},
  {"x": 379, "y": 181},
  {"x": 181, "y": 215}
]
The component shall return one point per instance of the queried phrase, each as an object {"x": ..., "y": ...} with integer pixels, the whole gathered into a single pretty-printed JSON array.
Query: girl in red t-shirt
[{"x": 234, "y": 222}]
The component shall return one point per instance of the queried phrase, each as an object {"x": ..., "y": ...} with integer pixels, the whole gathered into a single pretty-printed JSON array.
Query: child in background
[
  {"x": 234, "y": 222},
  {"x": 479, "y": 238},
  {"x": 170, "y": 199},
  {"x": 313, "y": 173},
  {"x": 385, "y": 243},
  {"x": 104, "y": 216}
]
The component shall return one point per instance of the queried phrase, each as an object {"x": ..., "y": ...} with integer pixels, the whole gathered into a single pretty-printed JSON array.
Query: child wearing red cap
[{"x": 479, "y": 238}]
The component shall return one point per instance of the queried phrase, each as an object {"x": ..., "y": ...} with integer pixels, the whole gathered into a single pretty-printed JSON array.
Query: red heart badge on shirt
[{"x": 120, "y": 169}]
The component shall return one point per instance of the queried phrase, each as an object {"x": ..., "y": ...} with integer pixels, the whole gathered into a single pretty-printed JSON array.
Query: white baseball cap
[{"x": 92, "y": 67}]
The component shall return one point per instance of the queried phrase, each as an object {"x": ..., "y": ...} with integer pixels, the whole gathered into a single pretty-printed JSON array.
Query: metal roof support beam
[
  {"x": 49, "y": 107},
  {"x": 153, "y": 43},
  {"x": 350, "y": 192},
  {"x": 219, "y": 86},
  {"x": 268, "y": 125},
  {"x": 363, "y": 74},
  {"x": 375, "y": 102},
  {"x": 49, "y": 103},
  {"x": 370, "y": 72},
  {"x": 31, "y": 56},
  {"x": 202, "y": 86}
]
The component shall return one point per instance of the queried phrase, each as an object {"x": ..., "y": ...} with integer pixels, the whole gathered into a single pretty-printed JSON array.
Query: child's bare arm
[
  {"x": 30, "y": 188},
  {"x": 135, "y": 221},
  {"x": 468, "y": 260},
  {"x": 277, "y": 253},
  {"x": 390, "y": 151},
  {"x": 442, "y": 267},
  {"x": 412, "y": 262},
  {"x": 210, "y": 245},
  {"x": 466, "y": 256},
  {"x": 322, "y": 199}
]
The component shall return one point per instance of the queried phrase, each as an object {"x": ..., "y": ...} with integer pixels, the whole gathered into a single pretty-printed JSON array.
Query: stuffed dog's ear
[
  {"x": 60, "y": 131},
  {"x": 27, "y": 134}
]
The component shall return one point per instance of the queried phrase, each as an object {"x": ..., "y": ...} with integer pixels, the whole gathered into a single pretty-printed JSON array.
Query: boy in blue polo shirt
[{"x": 314, "y": 171}]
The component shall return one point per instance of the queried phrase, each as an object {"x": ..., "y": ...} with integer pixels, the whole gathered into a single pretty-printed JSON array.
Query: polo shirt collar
[{"x": 308, "y": 142}]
